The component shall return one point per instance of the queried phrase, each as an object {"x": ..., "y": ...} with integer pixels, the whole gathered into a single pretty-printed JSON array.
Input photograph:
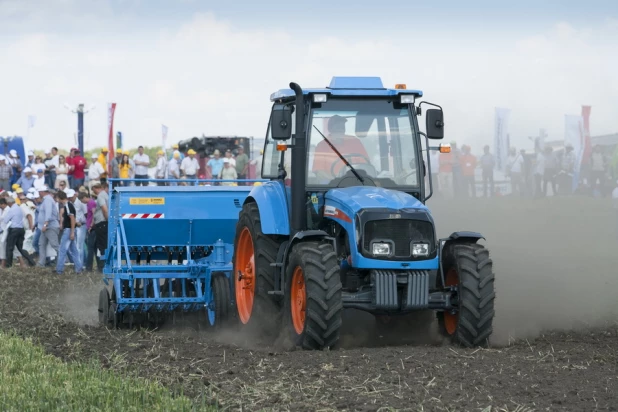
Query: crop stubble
[{"x": 523, "y": 370}]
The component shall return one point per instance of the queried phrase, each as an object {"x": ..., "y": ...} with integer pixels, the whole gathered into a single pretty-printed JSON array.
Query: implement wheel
[
  {"x": 313, "y": 307},
  {"x": 253, "y": 276},
  {"x": 469, "y": 268},
  {"x": 219, "y": 316},
  {"x": 104, "y": 319}
]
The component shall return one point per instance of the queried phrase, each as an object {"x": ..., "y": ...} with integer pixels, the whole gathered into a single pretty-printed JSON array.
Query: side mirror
[
  {"x": 434, "y": 123},
  {"x": 281, "y": 122}
]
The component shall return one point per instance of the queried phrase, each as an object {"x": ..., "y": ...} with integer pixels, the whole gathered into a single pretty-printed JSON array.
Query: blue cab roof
[{"x": 349, "y": 86}]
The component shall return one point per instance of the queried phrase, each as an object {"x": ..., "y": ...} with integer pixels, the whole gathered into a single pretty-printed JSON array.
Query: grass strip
[{"x": 30, "y": 380}]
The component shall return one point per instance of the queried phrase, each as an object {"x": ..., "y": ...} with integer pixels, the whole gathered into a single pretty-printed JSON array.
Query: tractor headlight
[
  {"x": 381, "y": 249},
  {"x": 420, "y": 249}
]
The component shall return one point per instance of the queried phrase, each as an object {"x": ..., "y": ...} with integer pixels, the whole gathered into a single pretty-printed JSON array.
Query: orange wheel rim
[
  {"x": 298, "y": 298},
  {"x": 244, "y": 275},
  {"x": 450, "y": 320}
]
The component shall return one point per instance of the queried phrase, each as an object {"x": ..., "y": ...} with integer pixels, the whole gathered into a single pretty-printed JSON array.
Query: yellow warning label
[{"x": 147, "y": 201}]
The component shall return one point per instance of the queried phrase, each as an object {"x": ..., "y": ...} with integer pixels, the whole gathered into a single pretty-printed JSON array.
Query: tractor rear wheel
[
  {"x": 253, "y": 276},
  {"x": 220, "y": 296},
  {"x": 313, "y": 306},
  {"x": 468, "y": 267}
]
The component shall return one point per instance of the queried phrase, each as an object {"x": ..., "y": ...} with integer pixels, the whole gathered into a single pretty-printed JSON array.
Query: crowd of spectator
[
  {"x": 134, "y": 171},
  {"x": 542, "y": 173}
]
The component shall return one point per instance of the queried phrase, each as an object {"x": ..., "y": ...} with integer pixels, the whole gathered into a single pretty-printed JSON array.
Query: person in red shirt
[
  {"x": 468, "y": 167},
  {"x": 325, "y": 157},
  {"x": 69, "y": 161},
  {"x": 79, "y": 164}
]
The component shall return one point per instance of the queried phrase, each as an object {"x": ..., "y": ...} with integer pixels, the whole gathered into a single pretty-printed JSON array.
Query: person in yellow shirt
[
  {"x": 125, "y": 168},
  {"x": 103, "y": 158}
]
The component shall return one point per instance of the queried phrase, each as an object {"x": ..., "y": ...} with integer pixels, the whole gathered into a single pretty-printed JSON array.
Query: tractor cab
[{"x": 356, "y": 132}]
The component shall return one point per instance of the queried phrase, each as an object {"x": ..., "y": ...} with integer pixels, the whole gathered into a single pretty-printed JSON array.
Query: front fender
[
  {"x": 272, "y": 202},
  {"x": 456, "y": 237}
]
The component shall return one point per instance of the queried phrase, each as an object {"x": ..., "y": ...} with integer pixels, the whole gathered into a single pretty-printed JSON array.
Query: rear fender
[
  {"x": 272, "y": 202},
  {"x": 456, "y": 237}
]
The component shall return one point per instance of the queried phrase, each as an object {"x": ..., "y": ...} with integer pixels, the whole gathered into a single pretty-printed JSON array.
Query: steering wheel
[{"x": 350, "y": 155}]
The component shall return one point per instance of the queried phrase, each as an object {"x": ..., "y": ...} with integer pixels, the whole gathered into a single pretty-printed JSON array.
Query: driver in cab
[{"x": 327, "y": 165}]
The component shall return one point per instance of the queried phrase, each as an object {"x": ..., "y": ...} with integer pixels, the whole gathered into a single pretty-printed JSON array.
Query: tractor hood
[{"x": 365, "y": 197}]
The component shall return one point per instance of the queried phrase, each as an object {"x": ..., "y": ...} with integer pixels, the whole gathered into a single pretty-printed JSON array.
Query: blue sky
[{"x": 209, "y": 67}]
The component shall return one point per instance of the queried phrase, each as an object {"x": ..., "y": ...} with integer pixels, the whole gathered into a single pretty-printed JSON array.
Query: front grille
[{"x": 402, "y": 232}]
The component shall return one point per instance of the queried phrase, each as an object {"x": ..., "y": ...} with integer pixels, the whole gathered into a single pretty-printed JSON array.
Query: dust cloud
[{"x": 554, "y": 260}]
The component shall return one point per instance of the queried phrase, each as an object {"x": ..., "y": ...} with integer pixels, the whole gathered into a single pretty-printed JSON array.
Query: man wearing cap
[
  {"x": 190, "y": 165},
  {"x": 6, "y": 172},
  {"x": 215, "y": 164},
  {"x": 161, "y": 167},
  {"x": 175, "y": 149},
  {"x": 242, "y": 163},
  {"x": 142, "y": 162},
  {"x": 100, "y": 221},
  {"x": 325, "y": 157},
  {"x": 14, "y": 220},
  {"x": 27, "y": 180},
  {"x": 79, "y": 167},
  {"x": 15, "y": 163},
  {"x": 94, "y": 171},
  {"x": 49, "y": 224},
  {"x": 68, "y": 243},
  {"x": 102, "y": 158},
  {"x": 39, "y": 179},
  {"x": 30, "y": 162}
]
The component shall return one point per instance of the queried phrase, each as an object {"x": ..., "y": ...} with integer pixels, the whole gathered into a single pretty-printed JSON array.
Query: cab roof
[{"x": 349, "y": 86}]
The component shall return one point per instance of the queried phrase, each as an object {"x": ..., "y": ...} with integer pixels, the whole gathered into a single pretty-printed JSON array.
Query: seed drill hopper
[{"x": 169, "y": 250}]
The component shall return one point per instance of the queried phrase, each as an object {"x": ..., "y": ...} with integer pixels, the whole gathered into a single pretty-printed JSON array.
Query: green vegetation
[{"x": 30, "y": 380}]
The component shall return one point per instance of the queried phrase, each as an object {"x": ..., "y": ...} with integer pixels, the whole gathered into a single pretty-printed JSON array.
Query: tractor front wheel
[
  {"x": 313, "y": 306},
  {"x": 469, "y": 269}
]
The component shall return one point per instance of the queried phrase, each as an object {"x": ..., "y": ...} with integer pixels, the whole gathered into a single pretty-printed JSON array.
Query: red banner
[
  {"x": 110, "y": 141},
  {"x": 587, "y": 144}
]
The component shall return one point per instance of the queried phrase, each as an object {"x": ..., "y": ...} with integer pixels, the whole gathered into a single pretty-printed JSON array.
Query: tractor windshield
[{"x": 376, "y": 137}]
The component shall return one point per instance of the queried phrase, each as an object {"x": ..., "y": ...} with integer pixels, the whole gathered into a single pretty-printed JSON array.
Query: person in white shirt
[
  {"x": 190, "y": 165},
  {"x": 228, "y": 173},
  {"x": 142, "y": 162},
  {"x": 95, "y": 170},
  {"x": 514, "y": 168},
  {"x": 230, "y": 159},
  {"x": 161, "y": 169},
  {"x": 39, "y": 179},
  {"x": 173, "y": 169}
]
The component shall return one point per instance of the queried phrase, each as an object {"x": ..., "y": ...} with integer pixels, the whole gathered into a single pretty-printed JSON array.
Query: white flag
[
  {"x": 500, "y": 137},
  {"x": 31, "y": 121},
  {"x": 164, "y": 136}
]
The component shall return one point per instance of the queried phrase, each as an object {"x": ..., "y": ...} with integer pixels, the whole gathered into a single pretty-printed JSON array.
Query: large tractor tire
[
  {"x": 253, "y": 276},
  {"x": 469, "y": 267},
  {"x": 313, "y": 306}
]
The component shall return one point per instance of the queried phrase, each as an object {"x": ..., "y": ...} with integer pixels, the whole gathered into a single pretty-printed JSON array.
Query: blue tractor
[{"x": 342, "y": 221}]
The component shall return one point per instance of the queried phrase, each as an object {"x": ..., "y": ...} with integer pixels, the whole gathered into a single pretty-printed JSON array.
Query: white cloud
[{"x": 215, "y": 77}]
